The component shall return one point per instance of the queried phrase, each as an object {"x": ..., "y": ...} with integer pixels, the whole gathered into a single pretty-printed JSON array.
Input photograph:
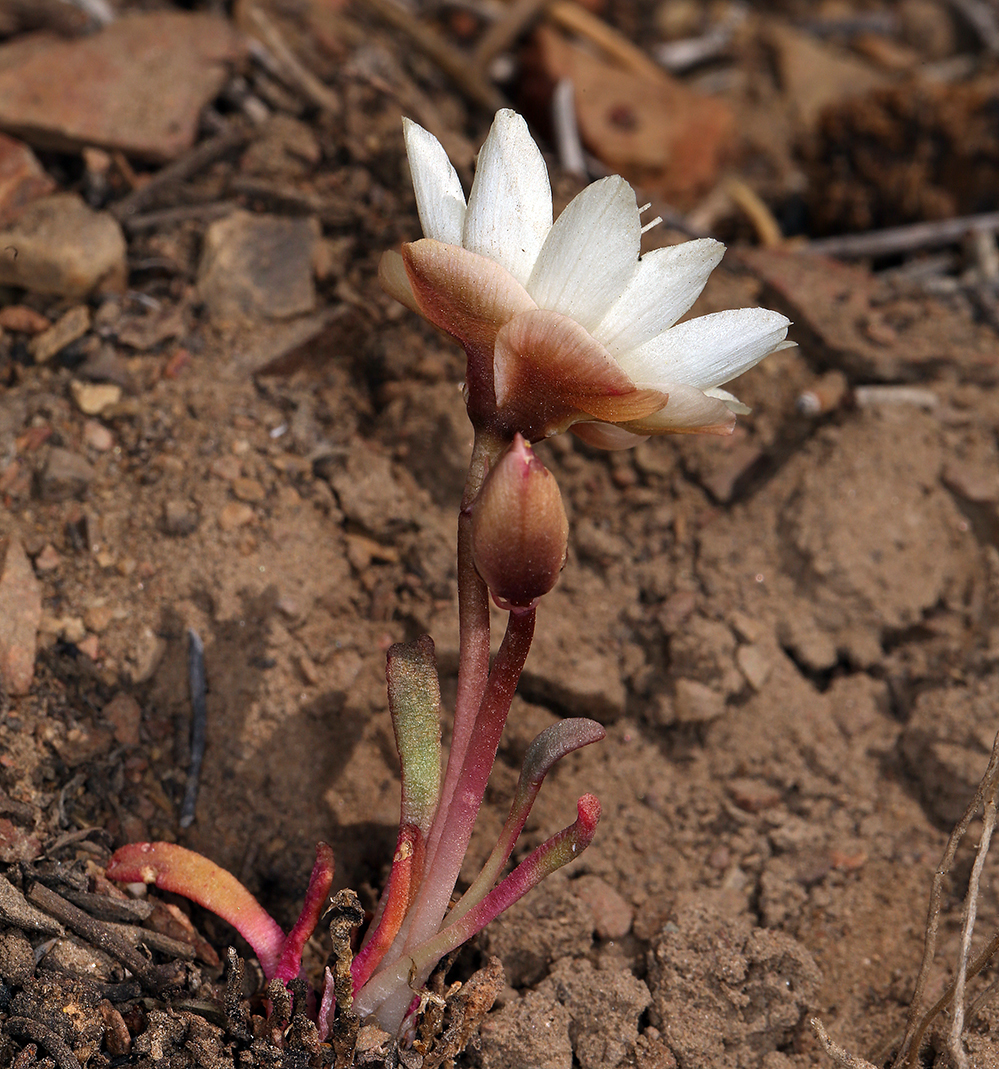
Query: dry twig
[
  {"x": 903, "y": 238},
  {"x": 970, "y": 912},
  {"x": 982, "y": 19},
  {"x": 506, "y": 29},
  {"x": 200, "y": 157},
  {"x": 287, "y": 66},
  {"x": 571, "y": 16},
  {"x": 838, "y": 1054},
  {"x": 768, "y": 230},
  {"x": 454, "y": 63},
  {"x": 908, "y": 1049}
]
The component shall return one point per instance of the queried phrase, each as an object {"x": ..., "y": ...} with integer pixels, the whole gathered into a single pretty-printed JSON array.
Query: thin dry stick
[
  {"x": 506, "y": 29},
  {"x": 838, "y": 1054},
  {"x": 290, "y": 67},
  {"x": 767, "y": 228},
  {"x": 449, "y": 59},
  {"x": 201, "y": 156},
  {"x": 916, "y": 1026},
  {"x": 903, "y": 238},
  {"x": 944, "y": 1001},
  {"x": 970, "y": 913},
  {"x": 983, "y": 996},
  {"x": 569, "y": 15}
]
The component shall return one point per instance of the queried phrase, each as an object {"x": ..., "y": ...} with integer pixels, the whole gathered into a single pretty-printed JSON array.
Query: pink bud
[{"x": 519, "y": 529}]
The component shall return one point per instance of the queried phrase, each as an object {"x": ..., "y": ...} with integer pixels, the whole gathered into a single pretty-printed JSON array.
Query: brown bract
[{"x": 519, "y": 529}]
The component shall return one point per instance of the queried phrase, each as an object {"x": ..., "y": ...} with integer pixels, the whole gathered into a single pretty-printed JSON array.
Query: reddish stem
[
  {"x": 389, "y": 995},
  {"x": 473, "y": 636},
  {"x": 290, "y": 963}
]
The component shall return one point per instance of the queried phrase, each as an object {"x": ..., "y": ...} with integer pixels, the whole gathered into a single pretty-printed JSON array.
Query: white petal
[
  {"x": 688, "y": 411},
  {"x": 394, "y": 280},
  {"x": 439, "y": 198},
  {"x": 590, "y": 254},
  {"x": 606, "y": 435},
  {"x": 510, "y": 205},
  {"x": 666, "y": 284},
  {"x": 707, "y": 351},
  {"x": 732, "y": 403}
]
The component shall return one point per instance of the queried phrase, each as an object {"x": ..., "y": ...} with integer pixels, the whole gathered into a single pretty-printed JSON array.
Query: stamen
[
  {"x": 644, "y": 208},
  {"x": 655, "y": 222}
]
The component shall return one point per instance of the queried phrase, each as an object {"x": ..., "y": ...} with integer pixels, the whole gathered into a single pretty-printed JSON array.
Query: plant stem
[{"x": 473, "y": 634}]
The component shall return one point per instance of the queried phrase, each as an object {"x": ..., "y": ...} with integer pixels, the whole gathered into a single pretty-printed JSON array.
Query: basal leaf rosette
[{"x": 564, "y": 324}]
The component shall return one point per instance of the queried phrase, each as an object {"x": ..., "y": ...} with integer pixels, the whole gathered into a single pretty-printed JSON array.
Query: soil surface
[{"x": 791, "y": 634}]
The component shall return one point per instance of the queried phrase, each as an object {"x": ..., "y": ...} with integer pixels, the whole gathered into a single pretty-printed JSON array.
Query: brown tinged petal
[
  {"x": 467, "y": 295},
  {"x": 549, "y": 372},
  {"x": 519, "y": 528}
]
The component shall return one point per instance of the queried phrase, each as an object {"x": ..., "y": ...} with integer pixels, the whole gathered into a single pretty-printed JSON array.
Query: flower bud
[{"x": 519, "y": 529}]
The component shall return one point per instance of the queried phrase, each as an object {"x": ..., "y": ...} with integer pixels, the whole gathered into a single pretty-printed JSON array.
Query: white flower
[{"x": 564, "y": 325}]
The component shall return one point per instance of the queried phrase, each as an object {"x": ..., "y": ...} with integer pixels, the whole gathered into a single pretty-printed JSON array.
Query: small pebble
[
  {"x": 72, "y": 629},
  {"x": 98, "y": 617},
  {"x": 308, "y": 669},
  {"x": 79, "y": 959},
  {"x": 92, "y": 398},
  {"x": 48, "y": 560},
  {"x": 696, "y": 703},
  {"x": 89, "y": 647},
  {"x": 235, "y": 514},
  {"x": 23, "y": 320},
  {"x": 97, "y": 436},
  {"x": 179, "y": 517},
  {"x": 753, "y": 795},
  {"x": 125, "y": 715},
  {"x": 612, "y": 914},
  {"x": 248, "y": 489},
  {"x": 755, "y": 664},
  {"x": 226, "y": 467}
]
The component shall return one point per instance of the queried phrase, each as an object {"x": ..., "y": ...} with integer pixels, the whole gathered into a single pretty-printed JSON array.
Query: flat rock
[
  {"x": 65, "y": 475},
  {"x": 22, "y": 178},
  {"x": 138, "y": 85},
  {"x": 58, "y": 245},
  {"x": 258, "y": 267},
  {"x": 20, "y": 615}
]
